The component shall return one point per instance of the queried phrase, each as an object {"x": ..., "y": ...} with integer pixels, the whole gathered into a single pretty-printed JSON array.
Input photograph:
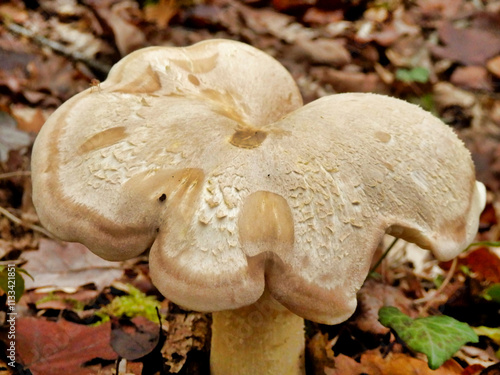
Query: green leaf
[
  {"x": 492, "y": 293},
  {"x": 438, "y": 337},
  {"x": 12, "y": 282},
  {"x": 418, "y": 74}
]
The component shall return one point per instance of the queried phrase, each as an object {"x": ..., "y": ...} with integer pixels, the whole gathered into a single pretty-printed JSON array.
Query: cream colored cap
[{"x": 206, "y": 155}]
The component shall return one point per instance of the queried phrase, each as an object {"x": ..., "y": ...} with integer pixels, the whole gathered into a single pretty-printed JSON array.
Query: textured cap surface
[{"x": 206, "y": 155}]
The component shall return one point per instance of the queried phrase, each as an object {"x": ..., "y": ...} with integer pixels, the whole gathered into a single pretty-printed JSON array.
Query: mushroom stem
[{"x": 263, "y": 338}]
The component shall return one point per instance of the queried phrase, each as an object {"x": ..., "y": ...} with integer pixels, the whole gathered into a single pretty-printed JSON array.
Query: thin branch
[
  {"x": 429, "y": 297},
  {"x": 57, "y": 47},
  {"x": 14, "y": 174},
  {"x": 18, "y": 221}
]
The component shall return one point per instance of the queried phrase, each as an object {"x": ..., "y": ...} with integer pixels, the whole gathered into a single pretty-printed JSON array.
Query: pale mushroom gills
[{"x": 253, "y": 205}]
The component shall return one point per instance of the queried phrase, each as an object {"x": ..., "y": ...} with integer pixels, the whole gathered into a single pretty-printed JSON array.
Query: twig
[
  {"x": 14, "y": 174},
  {"x": 18, "y": 221},
  {"x": 57, "y": 47},
  {"x": 429, "y": 297}
]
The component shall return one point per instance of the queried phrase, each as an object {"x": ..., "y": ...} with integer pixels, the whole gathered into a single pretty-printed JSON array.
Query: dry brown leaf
[
  {"x": 59, "y": 300},
  {"x": 61, "y": 348},
  {"x": 483, "y": 263},
  {"x": 135, "y": 338},
  {"x": 324, "y": 51},
  {"x": 393, "y": 364},
  {"x": 118, "y": 16},
  {"x": 68, "y": 265},
  {"x": 374, "y": 295},
  {"x": 29, "y": 119},
  {"x": 186, "y": 332},
  {"x": 468, "y": 46},
  {"x": 346, "y": 81},
  {"x": 161, "y": 12},
  {"x": 319, "y": 349},
  {"x": 11, "y": 138},
  {"x": 493, "y": 66},
  {"x": 472, "y": 78}
]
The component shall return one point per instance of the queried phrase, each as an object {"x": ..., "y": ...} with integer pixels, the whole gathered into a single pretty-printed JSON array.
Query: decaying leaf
[
  {"x": 186, "y": 332},
  {"x": 469, "y": 46},
  {"x": 61, "y": 348},
  {"x": 374, "y": 363},
  {"x": 133, "y": 339},
  {"x": 372, "y": 296},
  {"x": 484, "y": 264},
  {"x": 68, "y": 265}
]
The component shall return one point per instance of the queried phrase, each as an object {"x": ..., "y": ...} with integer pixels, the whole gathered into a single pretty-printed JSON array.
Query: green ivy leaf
[
  {"x": 492, "y": 293},
  {"x": 12, "y": 285},
  {"x": 438, "y": 337}
]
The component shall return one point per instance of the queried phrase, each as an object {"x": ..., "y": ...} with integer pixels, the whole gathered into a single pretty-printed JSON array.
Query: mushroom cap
[{"x": 206, "y": 155}]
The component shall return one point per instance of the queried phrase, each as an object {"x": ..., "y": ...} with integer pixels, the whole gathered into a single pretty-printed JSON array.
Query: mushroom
[{"x": 254, "y": 207}]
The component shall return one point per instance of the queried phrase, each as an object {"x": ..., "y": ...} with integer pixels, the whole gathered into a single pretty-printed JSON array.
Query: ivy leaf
[
  {"x": 13, "y": 284},
  {"x": 438, "y": 337},
  {"x": 492, "y": 293}
]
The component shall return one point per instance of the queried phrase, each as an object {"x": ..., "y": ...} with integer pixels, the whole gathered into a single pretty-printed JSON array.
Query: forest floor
[{"x": 441, "y": 54}]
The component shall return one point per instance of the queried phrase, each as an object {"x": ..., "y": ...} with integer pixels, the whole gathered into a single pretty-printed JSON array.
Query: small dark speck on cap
[{"x": 162, "y": 197}]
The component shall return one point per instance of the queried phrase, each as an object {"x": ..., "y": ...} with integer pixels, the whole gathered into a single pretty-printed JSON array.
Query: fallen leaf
[
  {"x": 438, "y": 337},
  {"x": 440, "y": 8},
  {"x": 472, "y": 78},
  {"x": 319, "y": 349},
  {"x": 493, "y": 66},
  {"x": 58, "y": 300},
  {"x": 492, "y": 370},
  {"x": 324, "y": 51},
  {"x": 119, "y": 17},
  {"x": 473, "y": 370},
  {"x": 317, "y": 16},
  {"x": 186, "y": 332},
  {"x": 468, "y": 46},
  {"x": 68, "y": 265},
  {"x": 160, "y": 12},
  {"x": 291, "y": 5},
  {"x": 62, "y": 347},
  {"x": 135, "y": 338},
  {"x": 372, "y": 296},
  {"x": 29, "y": 119},
  {"x": 373, "y": 363},
  {"x": 11, "y": 138},
  {"x": 483, "y": 263},
  {"x": 346, "y": 81}
]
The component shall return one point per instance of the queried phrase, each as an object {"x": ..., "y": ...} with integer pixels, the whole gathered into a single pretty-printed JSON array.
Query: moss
[{"x": 135, "y": 303}]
